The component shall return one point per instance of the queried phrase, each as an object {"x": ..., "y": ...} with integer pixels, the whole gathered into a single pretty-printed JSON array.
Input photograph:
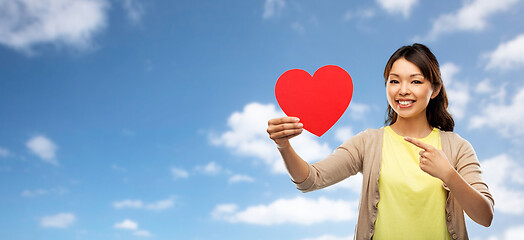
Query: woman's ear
[{"x": 436, "y": 91}]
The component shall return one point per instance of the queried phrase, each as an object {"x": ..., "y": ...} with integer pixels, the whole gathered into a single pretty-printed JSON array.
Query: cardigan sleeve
[
  {"x": 468, "y": 166},
  {"x": 344, "y": 162}
]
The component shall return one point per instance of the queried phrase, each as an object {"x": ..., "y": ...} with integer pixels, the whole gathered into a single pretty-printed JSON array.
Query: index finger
[
  {"x": 276, "y": 121},
  {"x": 418, "y": 143}
]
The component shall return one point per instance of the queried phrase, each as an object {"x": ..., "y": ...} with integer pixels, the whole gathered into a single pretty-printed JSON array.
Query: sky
[{"x": 146, "y": 119}]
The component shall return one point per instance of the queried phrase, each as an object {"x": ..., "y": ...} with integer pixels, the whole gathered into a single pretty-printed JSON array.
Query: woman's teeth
[{"x": 405, "y": 102}]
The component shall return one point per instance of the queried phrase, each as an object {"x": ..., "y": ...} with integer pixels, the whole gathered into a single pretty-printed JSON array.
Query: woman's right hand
[{"x": 282, "y": 129}]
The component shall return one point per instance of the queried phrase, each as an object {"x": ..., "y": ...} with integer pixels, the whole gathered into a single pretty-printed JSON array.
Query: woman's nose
[{"x": 404, "y": 89}]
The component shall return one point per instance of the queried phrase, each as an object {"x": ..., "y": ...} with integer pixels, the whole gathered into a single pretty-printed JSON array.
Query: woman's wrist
[{"x": 283, "y": 145}]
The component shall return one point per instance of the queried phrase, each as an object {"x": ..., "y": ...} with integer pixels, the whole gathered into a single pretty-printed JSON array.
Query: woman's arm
[
  {"x": 474, "y": 203},
  {"x": 434, "y": 162},
  {"x": 281, "y": 130}
]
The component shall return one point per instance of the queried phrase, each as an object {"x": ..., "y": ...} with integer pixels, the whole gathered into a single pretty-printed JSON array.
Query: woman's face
[{"x": 407, "y": 90}]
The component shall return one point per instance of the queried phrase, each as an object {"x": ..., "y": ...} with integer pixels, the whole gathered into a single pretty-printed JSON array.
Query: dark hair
[{"x": 436, "y": 112}]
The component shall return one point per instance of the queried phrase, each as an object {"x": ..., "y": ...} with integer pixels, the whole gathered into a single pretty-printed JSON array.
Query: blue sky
[{"x": 137, "y": 119}]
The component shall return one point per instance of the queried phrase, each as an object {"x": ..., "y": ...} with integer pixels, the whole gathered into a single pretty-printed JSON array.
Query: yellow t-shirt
[{"x": 412, "y": 202}]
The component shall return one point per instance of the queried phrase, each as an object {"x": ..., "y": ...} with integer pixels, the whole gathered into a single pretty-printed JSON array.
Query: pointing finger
[{"x": 418, "y": 143}]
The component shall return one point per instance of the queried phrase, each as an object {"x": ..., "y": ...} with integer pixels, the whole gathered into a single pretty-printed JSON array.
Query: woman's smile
[{"x": 405, "y": 103}]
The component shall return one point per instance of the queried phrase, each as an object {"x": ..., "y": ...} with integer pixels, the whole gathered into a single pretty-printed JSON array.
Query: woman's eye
[
  {"x": 393, "y": 81},
  {"x": 417, "y": 82}
]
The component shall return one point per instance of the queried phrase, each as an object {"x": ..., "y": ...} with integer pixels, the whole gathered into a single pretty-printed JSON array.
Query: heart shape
[{"x": 318, "y": 101}]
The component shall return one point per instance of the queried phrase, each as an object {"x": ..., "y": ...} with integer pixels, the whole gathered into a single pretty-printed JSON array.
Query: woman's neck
[{"x": 412, "y": 127}]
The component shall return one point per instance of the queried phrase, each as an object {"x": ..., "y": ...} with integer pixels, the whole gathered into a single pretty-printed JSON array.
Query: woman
[{"x": 418, "y": 176}]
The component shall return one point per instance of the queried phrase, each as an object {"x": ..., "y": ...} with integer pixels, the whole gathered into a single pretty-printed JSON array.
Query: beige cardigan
[{"x": 362, "y": 153}]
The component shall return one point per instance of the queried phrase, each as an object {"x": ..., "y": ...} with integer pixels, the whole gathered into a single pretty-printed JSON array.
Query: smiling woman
[{"x": 418, "y": 176}]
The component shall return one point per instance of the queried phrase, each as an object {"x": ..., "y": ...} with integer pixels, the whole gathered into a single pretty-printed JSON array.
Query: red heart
[{"x": 318, "y": 101}]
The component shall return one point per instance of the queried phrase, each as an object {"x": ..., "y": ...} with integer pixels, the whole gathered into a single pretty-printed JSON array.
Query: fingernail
[
  {"x": 297, "y": 119},
  {"x": 300, "y": 125}
]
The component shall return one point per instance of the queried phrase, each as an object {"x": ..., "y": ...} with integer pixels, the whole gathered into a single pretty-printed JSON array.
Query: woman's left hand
[{"x": 432, "y": 160}]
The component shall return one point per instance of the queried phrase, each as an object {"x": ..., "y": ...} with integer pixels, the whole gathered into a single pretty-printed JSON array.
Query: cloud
[
  {"x": 212, "y": 168},
  {"x": 247, "y": 136},
  {"x": 273, "y": 7},
  {"x": 24, "y": 24},
  {"x": 473, "y": 16},
  {"x": 126, "y": 224},
  {"x": 128, "y": 203},
  {"x": 179, "y": 173},
  {"x": 138, "y": 204},
  {"x": 129, "y": 224},
  {"x": 330, "y": 237},
  {"x": 500, "y": 173},
  {"x": 514, "y": 232},
  {"x": 161, "y": 205},
  {"x": 457, "y": 92},
  {"x": 134, "y": 9},
  {"x": 507, "y": 119},
  {"x": 359, "y": 14},
  {"x": 394, "y": 7},
  {"x": 40, "y": 192},
  {"x": 44, "y": 148},
  {"x": 358, "y": 111},
  {"x": 4, "y": 152},
  {"x": 142, "y": 233},
  {"x": 61, "y": 220},
  {"x": 508, "y": 55},
  {"x": 353, "y": 183},
  {"x": 344, "y": 133},
  {"x": 291, "y": 211},
  {"x": 240, "y": 178}
]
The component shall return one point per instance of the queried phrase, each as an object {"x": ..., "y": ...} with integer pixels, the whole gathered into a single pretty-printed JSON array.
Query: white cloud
[
  {"x": 212, "y": 168},
  {"x": 61, "y": 220},
  {"x": 344, "y": 133},
  {"x": 142, "y": 233},
  {"x": 134, "y": 9},
  {"x": 44, "y": 148},
  {"x": 39, "y": 192},
  {"x": 473, "y": 16},
  {"x": 448, "y": 71},
  {"x": 358, "y": 111},
  {"x": 126, "y": 224},
  {"x": 353, "y": 183},
  {"x": 514, "y": 232},
  {"x": 457, "y": 92},
  {"x": 508, "y": 55},
  {"x": 292, "y": 211},
  {"x": 179, "y": 173},
  {"x": 128, "y": 203},
  {"x": 26, "y": 23},
  {"x": 138, "y": 204},
  {"x": 240, "y": 178},
  {"x": 4, "y": 152},
  {"x": 403, "y": 7},
  {"x": 129, "y": 224},
  {"x": 484, "y": 86},
  {"x": 247, "y": 136},
  {"x": 161, "y": 205},
  {"x": 499, "y": 173},
  {"x": 507, "y": 119},
  {"x": 330, "y": 237},
  {"x": 273, "y": 7},
  {"x": 359, "y": 14}
]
